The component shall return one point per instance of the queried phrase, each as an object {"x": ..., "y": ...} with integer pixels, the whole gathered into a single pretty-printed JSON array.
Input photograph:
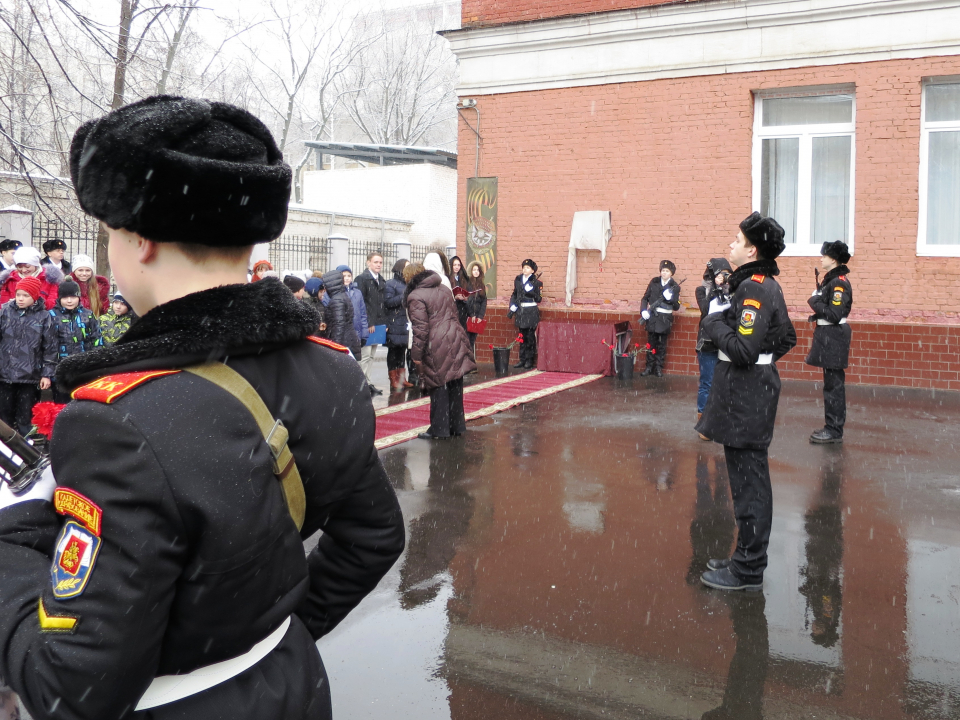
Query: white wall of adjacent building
[{"x": 424, "y": 194}]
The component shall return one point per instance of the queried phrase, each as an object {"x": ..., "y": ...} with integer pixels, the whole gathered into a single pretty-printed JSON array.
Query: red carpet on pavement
[{"x": 403, "y": 422}]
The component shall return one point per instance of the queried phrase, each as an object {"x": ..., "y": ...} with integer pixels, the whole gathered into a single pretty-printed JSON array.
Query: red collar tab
[
  {"x": 108, "y": 388},
  {"x": 843, "y": 277},
  {"x": 758, "y": 278},
  {"x": 328, "y": 343}
]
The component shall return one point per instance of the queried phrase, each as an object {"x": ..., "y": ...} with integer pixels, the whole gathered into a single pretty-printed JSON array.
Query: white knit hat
[
  {"x": 82, "y": 261},
  {"x": 27, "y": 256}
]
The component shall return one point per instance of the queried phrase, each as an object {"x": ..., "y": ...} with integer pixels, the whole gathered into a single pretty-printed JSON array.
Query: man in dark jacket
[
  {"x": 55, "y": 250},
  {"x": 158, "y": 569},
  {"x": 28, "y": 355},
  {"x": 831, "y": 304},
  {"x": 751, "y": 332},
  {"x": 372, "y": 286},
  {"x": 339, "y": 313},
  {"x": 714, "y": 285},
  {"x": 524, "y": 308},
  {"x": 656, "y": 310},
  {"x": 440, "y": 350}
]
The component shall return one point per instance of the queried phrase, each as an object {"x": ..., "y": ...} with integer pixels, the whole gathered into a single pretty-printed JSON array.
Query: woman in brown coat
[{"x": 440, "y": 351}]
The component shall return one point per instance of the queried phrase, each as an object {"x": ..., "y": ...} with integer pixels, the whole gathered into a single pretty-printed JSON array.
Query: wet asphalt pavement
[{"x": 554, "y": 554}]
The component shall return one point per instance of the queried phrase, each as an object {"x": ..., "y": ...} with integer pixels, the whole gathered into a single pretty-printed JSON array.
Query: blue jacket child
[{"x": 77, "y": 328}]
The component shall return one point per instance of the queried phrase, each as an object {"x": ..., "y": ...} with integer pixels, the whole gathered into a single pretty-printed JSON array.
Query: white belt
[
  {"x": 821, "y": 321},
  {"x": 665, "y": 311},
  {"x": 764, "y": 359},
  {"x": 528, "y": 304},
  {"x": 168, "y": 688}
]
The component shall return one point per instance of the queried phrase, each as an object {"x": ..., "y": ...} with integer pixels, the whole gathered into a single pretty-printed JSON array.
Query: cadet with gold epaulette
[
  {"x": 830, "y": 350},
  {"x": 160, "y": 572},
  {"x": 751, "y": 332}
]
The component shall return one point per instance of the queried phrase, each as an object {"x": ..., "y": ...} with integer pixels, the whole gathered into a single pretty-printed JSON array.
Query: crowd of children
[{"x": 50, "y": 309}]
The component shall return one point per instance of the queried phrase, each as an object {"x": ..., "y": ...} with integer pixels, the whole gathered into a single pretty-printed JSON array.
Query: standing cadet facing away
[
  {"x": 173, "y": 544},
  {"x": 830, "y": 349},
  {"x": 751, "y": 333}
]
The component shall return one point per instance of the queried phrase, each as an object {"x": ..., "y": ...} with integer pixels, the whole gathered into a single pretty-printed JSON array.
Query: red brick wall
[
  {"x": 672, "y": 160},
  {"x": 894, "y": 354},
  {"x": 479, "y": 13}
]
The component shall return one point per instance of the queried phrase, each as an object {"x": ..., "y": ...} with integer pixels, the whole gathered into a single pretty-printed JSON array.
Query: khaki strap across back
[{"x": 274, "y": 433}]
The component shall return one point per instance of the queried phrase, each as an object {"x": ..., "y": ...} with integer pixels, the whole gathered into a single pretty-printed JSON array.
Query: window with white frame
[
  {"x": 939, "y": 220},
  {"x": 803, "y": 160}
]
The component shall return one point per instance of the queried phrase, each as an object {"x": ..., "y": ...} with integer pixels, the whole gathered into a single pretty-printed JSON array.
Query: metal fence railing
[{"x": 80, "y": 236}]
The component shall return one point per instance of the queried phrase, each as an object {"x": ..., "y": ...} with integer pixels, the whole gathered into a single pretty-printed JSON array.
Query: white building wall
[{"x": 424, "y": 194}]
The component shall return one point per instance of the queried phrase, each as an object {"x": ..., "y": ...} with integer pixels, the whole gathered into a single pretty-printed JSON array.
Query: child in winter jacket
[
  {"x": 26, "y": 263},
  {"x": 76, "y": 327},
  {"x": 117, "y": 321},
  {"x": 28, "y": 354},
  {"x": 359, "y": 306},
  {"x": 341, "y": 327}
]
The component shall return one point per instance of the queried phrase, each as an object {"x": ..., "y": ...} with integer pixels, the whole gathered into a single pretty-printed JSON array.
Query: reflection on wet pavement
[{"x": 554, "y": 554}]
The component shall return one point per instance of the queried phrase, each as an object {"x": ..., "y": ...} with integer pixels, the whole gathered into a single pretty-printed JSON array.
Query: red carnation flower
[
  {"x": 654, "y": 352},
  {"x": 648, "y": 346},
  {"x": 44, "y": 415}
]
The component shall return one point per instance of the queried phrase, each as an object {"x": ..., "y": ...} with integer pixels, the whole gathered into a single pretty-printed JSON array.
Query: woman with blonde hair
[{"x": 94, "y": 289}]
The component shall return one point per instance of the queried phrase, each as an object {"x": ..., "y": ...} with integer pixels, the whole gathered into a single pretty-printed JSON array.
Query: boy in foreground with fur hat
[
  {"x": 657, "y": 306},
  {"x": 831, "y": 303},
  {"x": 159, "y": 564},
  {"x": 28, "y": 354},
  {"x": 751, "y": 331}
]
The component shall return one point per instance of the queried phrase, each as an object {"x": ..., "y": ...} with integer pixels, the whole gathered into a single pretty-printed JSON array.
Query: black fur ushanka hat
[
  {"x": 765, "y": 234},
  {"x": 837, "y": 250},
  {"x": 176, "y": 169}
]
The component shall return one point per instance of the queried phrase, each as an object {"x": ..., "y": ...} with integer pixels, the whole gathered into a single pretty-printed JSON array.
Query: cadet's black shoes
[
  {"x": 520, "y": 364},
  {"x": 726, "y": 580},
  {"x": 718, "y": 564},
  {"x": 646, "y": 371},
  {"x": 825, "y": 437}
]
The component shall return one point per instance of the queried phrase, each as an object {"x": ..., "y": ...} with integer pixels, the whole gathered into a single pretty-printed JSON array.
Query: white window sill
[
  {"x": 804, "y": 250},
  {"x": 938, "y": 251}
]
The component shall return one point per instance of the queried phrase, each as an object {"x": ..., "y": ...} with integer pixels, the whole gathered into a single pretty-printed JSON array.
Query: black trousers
[
  {"x": 834, "y": 400},
  {"x": 658, "y": 342},
  {"x": 396, "y": 357},
  {"x": 446, "y": 410},
  {"x": 528, "y": 348},
  {"x": 16, "y": 405},
  {"x": 749, "y": 474}
]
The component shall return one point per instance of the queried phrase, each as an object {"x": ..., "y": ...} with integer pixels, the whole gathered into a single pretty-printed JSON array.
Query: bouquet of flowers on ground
[
  {"x": 632, "y": 352},
  {"x": 517, "y": 339}
]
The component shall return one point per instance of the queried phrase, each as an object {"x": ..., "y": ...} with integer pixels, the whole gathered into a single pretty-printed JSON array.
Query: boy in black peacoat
[
  {"x": 527, "y": 296},
  {"x": 656, "y": 310}
]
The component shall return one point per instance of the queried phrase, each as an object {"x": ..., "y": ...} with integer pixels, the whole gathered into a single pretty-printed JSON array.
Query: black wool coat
[
  {"x": 661, "y": 308},
  {"x": 198, "y": 556},
  {"x": 373, "y": 290},
  {"x": 526, "y": 291},
  {"x": 831, "y": 343},
  {"x": 742, "y": 406},
  {"x": 339, "y": 315},
  {"x": 398, "y": 334}
]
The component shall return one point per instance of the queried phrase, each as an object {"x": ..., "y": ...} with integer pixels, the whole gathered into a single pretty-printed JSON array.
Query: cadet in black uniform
[
  {"x": 657, "y": 306},
  {"x": 524, "y": 308},
  {"x": 830, "y": 349},
  {"x": 751, "y": 333},
  {"x": 159, "y": 571}
]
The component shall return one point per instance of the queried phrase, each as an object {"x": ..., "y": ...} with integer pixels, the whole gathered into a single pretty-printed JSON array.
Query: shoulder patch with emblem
[
  {"x": 752, "y": 303},
  {"x": 747, "y": 319},
  {"x": 838, "y": 295},
  {"x": 328, "y": 343},
  {"x": 73, "y": 560},
  {"x": 70, "y": 502},
  {"x": 110, "y": 387},
  {"x": 758, "y": 278}
]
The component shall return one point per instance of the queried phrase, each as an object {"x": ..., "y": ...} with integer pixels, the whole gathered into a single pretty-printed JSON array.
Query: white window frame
[
  {"x": 923, "y": 249},
  {"x": 805, "y": 133}
]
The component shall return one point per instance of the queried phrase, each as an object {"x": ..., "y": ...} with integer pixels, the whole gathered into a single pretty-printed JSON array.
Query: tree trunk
[{"x": 127, "y": 8}]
